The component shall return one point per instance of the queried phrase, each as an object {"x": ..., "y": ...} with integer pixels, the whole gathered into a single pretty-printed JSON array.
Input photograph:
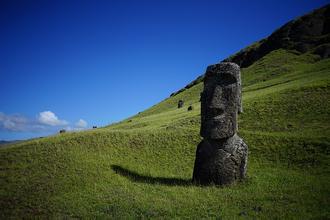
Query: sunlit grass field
[{"x": 142, "y": 166}]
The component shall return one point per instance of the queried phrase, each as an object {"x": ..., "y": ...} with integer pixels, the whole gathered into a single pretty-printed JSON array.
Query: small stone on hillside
[{"x": 180, "y": 104}]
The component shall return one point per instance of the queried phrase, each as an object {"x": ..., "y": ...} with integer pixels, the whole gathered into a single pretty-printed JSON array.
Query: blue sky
[{"x": 74, "y": 64}]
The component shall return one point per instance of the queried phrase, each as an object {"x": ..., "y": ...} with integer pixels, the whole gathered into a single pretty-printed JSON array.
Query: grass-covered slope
[{"x": 142, "y": 167}]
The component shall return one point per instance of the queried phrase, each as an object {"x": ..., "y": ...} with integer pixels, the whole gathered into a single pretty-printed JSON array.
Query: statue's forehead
[
  {"x": 223, "y": 79},
  {"x": 224, "y": 66},
  {"x": 222, "y": 71},
  {"x": 221, "y": 76}
]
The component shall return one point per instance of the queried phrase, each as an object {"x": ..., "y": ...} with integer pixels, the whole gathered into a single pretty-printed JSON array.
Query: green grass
[{"x": 142, "y": 166}]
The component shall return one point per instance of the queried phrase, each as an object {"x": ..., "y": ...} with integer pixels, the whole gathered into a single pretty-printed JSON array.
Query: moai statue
[
  {"x": 180, "y": 104},
  {"x": 221, "y": 157}
]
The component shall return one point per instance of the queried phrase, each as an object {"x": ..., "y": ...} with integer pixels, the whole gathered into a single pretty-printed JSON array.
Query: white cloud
[
  {"x": 81, "y": 123},
  {"x": 10, "y": 125},
  {"x": 16, "y": 122},
  {"x": 45, "y": 121},
  {"x": 49, "y": 118}
]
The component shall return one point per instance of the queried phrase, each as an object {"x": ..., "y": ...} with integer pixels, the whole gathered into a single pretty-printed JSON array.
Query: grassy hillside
[{"x": 142, "y": 166}]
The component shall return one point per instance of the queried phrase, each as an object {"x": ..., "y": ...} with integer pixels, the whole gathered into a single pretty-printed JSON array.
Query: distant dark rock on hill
[
  {"x": 309, "y": 33},
  {"x": 180, "y": 103}
]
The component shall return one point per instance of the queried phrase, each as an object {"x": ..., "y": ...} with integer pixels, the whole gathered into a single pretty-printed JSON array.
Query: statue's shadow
[{"x": 134, "y": 176}]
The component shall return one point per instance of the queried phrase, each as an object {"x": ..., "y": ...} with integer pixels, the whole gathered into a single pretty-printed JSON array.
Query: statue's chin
[
  {"x": 218, "y": 134},
  {"x": 221, "y": 131}
]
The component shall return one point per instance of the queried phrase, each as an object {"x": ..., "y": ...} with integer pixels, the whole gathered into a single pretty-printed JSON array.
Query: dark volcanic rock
[
  {"x": 221, "y": 101},
  {"x": 221, "y": 158},
  {"x": 220, "y": 161},
  {"x": 180, "y": 103}
]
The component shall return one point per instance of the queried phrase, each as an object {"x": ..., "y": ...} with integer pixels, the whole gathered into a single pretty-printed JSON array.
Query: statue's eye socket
[{"x": 227, "y": 79}]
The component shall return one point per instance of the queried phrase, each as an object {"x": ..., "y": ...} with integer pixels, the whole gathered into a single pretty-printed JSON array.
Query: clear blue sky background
[{"x": 102, "y": 61}]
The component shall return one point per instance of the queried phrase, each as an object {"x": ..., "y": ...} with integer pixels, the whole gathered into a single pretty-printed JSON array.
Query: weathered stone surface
[
  {"x": 220, "y": 161},
  {"x": 221, "y": 157},
  {"x": 180, "y": 104},
  {"x": 221, "y": 101}
]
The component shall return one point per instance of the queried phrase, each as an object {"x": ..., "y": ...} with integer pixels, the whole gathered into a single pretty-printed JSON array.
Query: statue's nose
[
  {"x": 215, "y": 111},
  {"x": 216, "y": 107},
  {"x": 215, "y": 101}
]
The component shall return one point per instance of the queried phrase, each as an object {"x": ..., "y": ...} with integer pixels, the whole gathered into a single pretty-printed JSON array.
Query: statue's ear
[
  {"x": 240, "y": 106},
  {"x": 240, "y": 103},
  {"x": 201, "y": 96}
]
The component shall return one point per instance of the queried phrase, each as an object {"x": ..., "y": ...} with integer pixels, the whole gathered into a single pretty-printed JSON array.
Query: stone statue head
[{"x": 221, "y": 101}]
